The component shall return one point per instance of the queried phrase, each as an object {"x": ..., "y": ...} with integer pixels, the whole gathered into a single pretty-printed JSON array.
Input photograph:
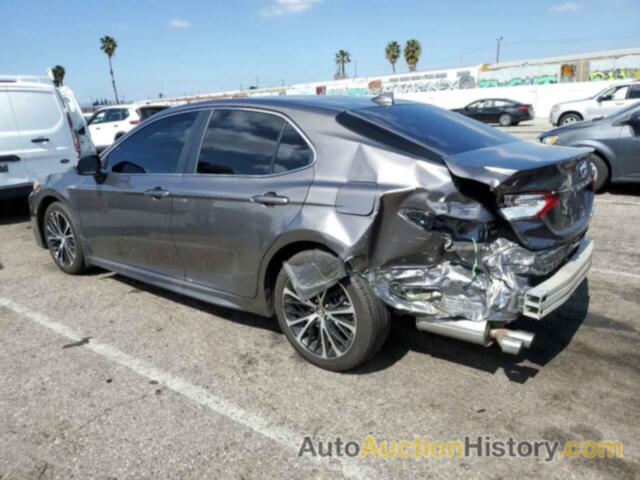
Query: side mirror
[
  {"x": 90, "y": 166},
  {"x": 82, "y": 131},
  {"x": 632, "y": 120}
]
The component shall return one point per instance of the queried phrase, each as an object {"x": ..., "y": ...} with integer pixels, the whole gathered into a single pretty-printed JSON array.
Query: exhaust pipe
[{"x": 480, "y": 333}]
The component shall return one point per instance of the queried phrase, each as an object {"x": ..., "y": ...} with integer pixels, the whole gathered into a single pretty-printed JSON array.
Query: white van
[{"x": 36, "y": 134}]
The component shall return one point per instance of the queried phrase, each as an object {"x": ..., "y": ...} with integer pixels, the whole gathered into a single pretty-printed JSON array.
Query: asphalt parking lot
[{"x": 103, "y": 377}]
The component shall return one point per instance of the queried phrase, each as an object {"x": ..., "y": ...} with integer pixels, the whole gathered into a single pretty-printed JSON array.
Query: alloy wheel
[
  {"x": 60, "y": 239},
  {"x": 324, "y": 325}
]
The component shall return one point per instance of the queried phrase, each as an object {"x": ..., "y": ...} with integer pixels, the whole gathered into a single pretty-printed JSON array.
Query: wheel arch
[
  {"x": 47, "y": 199},
  {"x": 604, "y": 152},
  {"x": 569, "y": 112},
  {"x": 287, "y": 248}
]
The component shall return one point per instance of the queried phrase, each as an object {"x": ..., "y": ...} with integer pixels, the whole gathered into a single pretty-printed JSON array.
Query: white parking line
[
  {"x": 289, "y": 439},
  {"x": 616, "y": 273}
]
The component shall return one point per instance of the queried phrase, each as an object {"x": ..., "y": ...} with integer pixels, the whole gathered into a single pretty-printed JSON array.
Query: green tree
[
  {"x": 108, "y": 45},
  {"x": 412, "y": 51},
  {"x": 58, "y": 75},
  {"x": 392, "y": 54},
  {"x": 342, "y": 58}
]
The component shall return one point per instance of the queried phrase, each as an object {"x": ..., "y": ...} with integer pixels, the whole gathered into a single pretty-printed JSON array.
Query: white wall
[{"x": 542, "y": 97}]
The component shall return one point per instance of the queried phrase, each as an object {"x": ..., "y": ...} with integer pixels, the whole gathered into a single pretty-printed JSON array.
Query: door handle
[
  {"x": 9, "y": 158},
  {"x": 39, "y": 140},
  {"x": 64, "y": 160},
  {"x": 270, "y": 198},
  {"x": 157, "y": 193}
]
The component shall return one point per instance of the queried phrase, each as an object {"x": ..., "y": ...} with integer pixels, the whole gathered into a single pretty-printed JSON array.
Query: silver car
[
  {"x": 605, "y": 102},
  {"x": 330, "y": 213}
]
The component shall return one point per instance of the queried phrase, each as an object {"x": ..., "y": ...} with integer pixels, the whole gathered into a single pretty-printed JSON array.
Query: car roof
[
  {"x": 28, "y": 82},
  {"x": 331, "y": 104}
]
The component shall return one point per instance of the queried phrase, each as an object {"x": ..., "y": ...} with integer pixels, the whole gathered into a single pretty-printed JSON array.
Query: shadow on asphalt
[
  {"x": 632, "y": 189},
  {"x": 15, "y": 210},
  {"x": 553, "y": 335}
]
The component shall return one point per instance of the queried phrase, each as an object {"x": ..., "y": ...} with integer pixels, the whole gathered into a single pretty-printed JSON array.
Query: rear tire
[
  {"x": 348, "y": 342},
  {"x": 62, "y": 240},
  {"x": 601, "y": 171},
  {"x": 569, "y": 118},
  {"x": 505, "y": 120}
]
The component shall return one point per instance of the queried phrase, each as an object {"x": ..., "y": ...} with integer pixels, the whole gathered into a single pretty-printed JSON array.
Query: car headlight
[{"x": 550, "y": 140}]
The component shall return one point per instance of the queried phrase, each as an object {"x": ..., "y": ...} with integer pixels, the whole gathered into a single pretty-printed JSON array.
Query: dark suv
[{"x": 330, "y": 212}]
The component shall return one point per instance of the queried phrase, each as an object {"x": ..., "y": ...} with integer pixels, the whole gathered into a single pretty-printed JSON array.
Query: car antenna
[{"x": 384, "y": 100}]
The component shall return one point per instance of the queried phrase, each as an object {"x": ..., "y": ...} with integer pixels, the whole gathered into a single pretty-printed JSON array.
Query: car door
[
  {"x": 126, "y": 217},
  {"x": 474, "y": 110},
  {"x": 629, "y": 149},
  {"x": 483, "y": 112},
  {"x": 106, "y": 124},
  {"x": 13, "y": 170},
  {"x": 247, "y": 184},
  {"x": 47, "y": 138},
  {"x": 611, "y": 101}
]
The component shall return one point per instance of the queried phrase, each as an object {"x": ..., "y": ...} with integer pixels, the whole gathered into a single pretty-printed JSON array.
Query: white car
[
  {"x": 604, "y": 103},
  {"x": 110, "y": 123},
  {"x": 36, "y": 134}
]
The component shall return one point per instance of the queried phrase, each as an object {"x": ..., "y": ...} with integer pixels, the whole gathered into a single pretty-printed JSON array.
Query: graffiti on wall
[
  {"x": 621, "y": 68},
  {"x": 520, "y": 75}
]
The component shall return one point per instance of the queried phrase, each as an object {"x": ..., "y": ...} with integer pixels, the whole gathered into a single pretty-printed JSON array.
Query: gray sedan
[
  {"x": 615, "y": 140},
  {"x": 330, "y": 213}
]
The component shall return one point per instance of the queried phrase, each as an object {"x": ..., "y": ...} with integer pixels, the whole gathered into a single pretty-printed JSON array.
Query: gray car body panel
[
  {"x": 618, "y": 144},
  {"x": 209, "y": 240}
]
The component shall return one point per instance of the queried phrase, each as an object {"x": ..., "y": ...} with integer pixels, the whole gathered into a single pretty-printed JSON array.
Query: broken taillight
[{"x": 529, "y": 205}]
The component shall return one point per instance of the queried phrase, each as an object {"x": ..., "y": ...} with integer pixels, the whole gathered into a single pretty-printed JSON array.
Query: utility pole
[{"x": 499, "y": 39}]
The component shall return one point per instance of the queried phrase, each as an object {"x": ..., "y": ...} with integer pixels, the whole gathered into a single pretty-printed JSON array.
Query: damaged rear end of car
[{"x": 470, "y": 227}]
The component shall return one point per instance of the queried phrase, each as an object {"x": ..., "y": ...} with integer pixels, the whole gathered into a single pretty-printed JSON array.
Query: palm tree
[
  {"x": 392, "y": 53},
  {"x": 342, "y": 58},
  {"x": 412, "y": 51},
  {"x": 108, "y": 45},
  {"x": 58, "y": 75}
]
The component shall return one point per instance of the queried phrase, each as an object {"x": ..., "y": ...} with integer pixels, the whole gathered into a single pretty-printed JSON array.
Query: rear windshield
[{"x": 439, "y": 130}]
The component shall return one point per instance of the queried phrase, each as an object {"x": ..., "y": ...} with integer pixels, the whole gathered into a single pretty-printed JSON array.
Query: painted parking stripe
[{"x": 291, "y": 440}]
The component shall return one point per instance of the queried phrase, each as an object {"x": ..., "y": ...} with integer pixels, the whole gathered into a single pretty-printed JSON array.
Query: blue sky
[{"x": 192, "y": 46}]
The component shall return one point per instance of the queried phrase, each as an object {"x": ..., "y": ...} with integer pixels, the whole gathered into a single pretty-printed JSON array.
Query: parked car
[
  {"x": 110, "y": 123},
  {"x": 603, "y": 103},
  {"x": 615, "y": 140},
  {"x": 329, "y": 212},
  {"x": 36, "y": 134},
  {"x": 498, "y": 110},
  {"x": 78, "y": 121}
]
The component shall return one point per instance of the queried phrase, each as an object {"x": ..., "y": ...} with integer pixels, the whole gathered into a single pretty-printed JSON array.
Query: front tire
[
  {"x": 505, "y": 120},
  {"x": 601, "y": 172},
  {"x": 338, "y": 329},
  {"x": 61, "y": 235},
  {"x": 569, "y": 118}
]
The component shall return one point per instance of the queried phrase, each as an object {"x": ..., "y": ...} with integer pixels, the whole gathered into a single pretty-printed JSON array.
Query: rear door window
[
  {"x": 240, "y": 142},
  {"x": 293, "y": 152},
  {"x": 634, "y": 92},
  {"x": 146, "y": 112},
  {"x": 116, "y": 114},
  {"x": 155, "y": 148}
]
